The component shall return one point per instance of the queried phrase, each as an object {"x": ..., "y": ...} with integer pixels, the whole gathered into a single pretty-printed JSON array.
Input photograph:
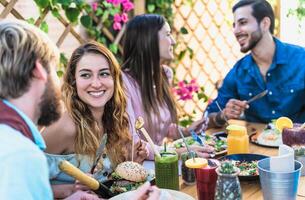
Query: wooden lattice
[
  {"x": 66, "y": 36},
  {"x": 209, "y": 23}
]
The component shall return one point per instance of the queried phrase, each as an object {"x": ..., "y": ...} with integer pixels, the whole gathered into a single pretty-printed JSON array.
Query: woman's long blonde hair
[{"x": 114, "y": 119}]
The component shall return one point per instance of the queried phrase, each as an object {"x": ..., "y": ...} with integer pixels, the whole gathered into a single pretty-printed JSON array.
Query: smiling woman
[{"x": 95, "y": 105}]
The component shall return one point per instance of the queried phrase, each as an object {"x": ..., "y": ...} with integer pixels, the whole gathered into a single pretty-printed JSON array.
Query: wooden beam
[
  {"x": 139, "y": 7},
  {"x": 8, "y": 8}
]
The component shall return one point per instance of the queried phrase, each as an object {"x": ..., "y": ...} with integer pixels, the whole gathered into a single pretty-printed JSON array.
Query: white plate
[
  {"x": 270, "y": 133},
  {"x": 165, "y": 194}
]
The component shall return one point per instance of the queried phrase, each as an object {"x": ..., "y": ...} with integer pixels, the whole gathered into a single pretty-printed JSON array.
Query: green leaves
[
  {"x": 42, "y": 4},
  {"x": 72, "y": 14},
  {"x": 183, "y": 30},
  {"x": 44, "y": 27},
  {"x": 114, "y": 48},
  {"x": 86, "y": 21},
  {"x": 151, "y": 8}
]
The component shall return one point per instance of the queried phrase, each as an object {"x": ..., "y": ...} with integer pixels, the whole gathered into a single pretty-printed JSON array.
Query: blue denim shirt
[{"x": 285, "y": 82}]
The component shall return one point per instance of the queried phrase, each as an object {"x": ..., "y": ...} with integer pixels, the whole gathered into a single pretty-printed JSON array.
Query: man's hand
[{"x": 234, "y": 108}]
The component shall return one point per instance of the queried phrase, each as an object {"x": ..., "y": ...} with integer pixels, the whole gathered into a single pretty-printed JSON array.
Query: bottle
[{"x": 238, "y": 139}]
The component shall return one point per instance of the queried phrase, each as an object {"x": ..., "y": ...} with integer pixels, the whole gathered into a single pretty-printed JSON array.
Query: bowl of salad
[{"x": 247, "y": 163}]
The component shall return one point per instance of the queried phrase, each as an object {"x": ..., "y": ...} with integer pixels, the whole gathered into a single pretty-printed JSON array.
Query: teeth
[
  {"x": 241, "y": 38},
  {"x": 97, "y": 94}
]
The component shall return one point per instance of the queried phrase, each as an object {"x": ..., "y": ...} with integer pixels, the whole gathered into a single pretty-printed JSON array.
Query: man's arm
[
  {"x": 24, "y": 175},
  {"x": 227, "y": 91}
]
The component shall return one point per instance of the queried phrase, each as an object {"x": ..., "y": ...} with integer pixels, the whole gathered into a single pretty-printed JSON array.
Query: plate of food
[
  {"x": 247, "y": 163},
  {"x": 269, "y": 137},
  {"x": 165, "y": 194},
  {"x": 216, "y": 141}
]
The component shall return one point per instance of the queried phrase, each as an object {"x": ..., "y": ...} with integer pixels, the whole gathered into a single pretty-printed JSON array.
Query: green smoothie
[{"x": 166, "y": 169}]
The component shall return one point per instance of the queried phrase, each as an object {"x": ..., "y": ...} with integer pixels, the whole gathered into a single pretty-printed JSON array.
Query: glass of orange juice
[{"x": 238, "y": 139}]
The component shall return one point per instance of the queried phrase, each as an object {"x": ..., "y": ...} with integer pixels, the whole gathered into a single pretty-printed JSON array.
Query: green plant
[
  {"x": 102, "y": 19},
  {"x": 227, "y": 167},
  {"x": 299, "y": 12},
  {"x": 188, "y": 90},
  {"x": 300, "y": 151},
  {"x": 164, "y": 8}
]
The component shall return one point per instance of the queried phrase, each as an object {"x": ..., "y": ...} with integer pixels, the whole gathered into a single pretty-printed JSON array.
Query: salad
[
  {"x": 218, "y": 144},
  {"x": 247, "y": 168}
]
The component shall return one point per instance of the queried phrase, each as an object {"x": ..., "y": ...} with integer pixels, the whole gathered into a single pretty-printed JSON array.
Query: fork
[{"x": 258, "y": 96}]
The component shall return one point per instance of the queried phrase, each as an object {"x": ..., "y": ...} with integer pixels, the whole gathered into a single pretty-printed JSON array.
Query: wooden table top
[{"x": 250, "y": 190}]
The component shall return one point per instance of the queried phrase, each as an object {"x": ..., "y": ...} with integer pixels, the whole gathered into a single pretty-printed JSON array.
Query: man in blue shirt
[{"x": 272, "y": 65}]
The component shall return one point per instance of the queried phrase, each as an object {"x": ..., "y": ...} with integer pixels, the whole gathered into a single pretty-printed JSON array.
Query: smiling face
[
  {"x": 166, "y": 43},
  {"x": 246, "y": 29},
  {"x": 94, "y": 82}
]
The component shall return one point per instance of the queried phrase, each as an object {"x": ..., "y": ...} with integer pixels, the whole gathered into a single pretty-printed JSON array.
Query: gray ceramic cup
[{"x": 279, "y": 185}]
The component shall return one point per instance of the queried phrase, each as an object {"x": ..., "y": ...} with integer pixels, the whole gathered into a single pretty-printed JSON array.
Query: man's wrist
[{"x": 219, "y": 119}]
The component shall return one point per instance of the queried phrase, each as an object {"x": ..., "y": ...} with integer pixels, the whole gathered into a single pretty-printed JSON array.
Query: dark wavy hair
[
  {"x": 260, "y": 9},
  {"x": 141, "y": 61},
  {"x": 114, "y": 119}
]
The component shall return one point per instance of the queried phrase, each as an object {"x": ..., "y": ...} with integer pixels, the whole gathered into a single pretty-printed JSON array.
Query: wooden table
[{"x": 250, "y": 190}]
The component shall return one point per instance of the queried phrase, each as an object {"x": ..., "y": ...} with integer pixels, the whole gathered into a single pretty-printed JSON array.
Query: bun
[{"x": 131, "y": 171}]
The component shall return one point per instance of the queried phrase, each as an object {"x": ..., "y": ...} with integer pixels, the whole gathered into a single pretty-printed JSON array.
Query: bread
[{"x": 131, "y": 171}]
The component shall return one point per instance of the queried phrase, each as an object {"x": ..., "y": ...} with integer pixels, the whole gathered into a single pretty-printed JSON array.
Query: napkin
[{"x": 284, "y": 162}]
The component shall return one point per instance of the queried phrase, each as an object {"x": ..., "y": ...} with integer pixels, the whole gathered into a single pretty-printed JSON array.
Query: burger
[{"x": 128, "y": 176}]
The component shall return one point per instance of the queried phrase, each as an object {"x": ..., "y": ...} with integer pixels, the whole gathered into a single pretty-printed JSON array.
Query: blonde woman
[{"x": 95, "y": 105}]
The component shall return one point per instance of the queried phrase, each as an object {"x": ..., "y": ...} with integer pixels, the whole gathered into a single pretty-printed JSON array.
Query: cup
[
  {"x": 206, "y": 178},
  {"x": 278, "y": 185},
  {"x": 188, "y": 174},
  {"x": 237, "y": 140},
  {"x": 166, "y": 170},
  {"x": 294, "y": 136},
  {"x": 301, "y": 159}
]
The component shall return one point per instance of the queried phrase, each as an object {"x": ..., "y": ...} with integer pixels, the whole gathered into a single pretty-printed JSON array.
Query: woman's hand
[
  {"x": 141, "y": 151},
  {"x": 201, "y": 151},
  {"x": 81, "y": 195},
  {"x": 146, "y": 192},
  {"x": 199, "y": 125}
]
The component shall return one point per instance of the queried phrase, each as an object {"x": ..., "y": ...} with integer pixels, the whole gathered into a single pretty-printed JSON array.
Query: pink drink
[
  {"x": 206, "y": 178},
  {"x": 294, "y": 136}
]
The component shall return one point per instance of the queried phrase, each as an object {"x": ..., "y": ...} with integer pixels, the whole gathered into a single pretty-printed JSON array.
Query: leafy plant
[
  {"x": 102, "y": 19},
  {"x": 227, "y": 167},
  {"x": 188, "y": 90},
  {"x": 300, "y": 151}
]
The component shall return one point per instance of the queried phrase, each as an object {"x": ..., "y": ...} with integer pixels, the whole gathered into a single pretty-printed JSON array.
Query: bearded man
[
  {"x": 272, "y": 66},
  {"x": 29, "y": 96}
]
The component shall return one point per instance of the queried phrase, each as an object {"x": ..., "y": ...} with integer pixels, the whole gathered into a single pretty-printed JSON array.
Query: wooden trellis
[
  {"x": 65, "y": 33},
  {"x": 209, "y": 23}
]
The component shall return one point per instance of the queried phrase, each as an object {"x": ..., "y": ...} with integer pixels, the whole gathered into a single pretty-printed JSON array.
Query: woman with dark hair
[
  {"x": 95, "y": 105},
  {"x": 148, "y": 44}
]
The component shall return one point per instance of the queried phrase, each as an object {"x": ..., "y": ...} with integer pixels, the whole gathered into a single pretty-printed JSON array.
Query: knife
[
  {"x": 99, "y": 152},
  {"x": 98, "y": 187},
  {"x": 258, "y": 96}
]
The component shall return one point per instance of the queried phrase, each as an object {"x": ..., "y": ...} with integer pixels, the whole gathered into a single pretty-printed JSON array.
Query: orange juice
[{"x": 238, "y": 139}]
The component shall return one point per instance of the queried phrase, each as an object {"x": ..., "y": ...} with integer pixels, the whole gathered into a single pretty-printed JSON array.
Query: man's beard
[
  {"x": 50, "y": 106},
  {"x": 255, "y": 37}
]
